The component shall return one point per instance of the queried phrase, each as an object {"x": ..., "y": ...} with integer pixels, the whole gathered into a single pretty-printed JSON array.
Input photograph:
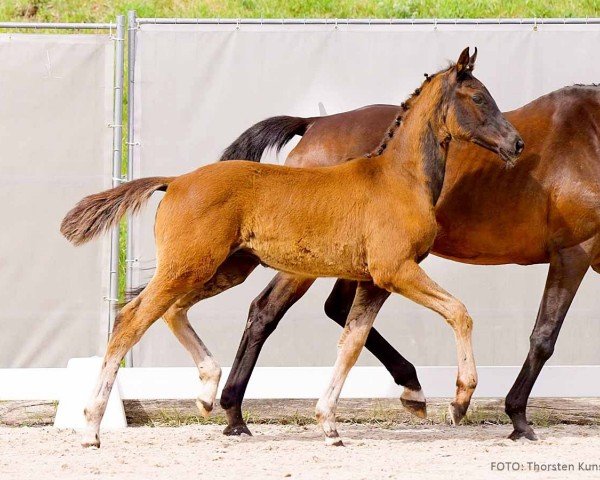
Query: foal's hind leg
[
  {"x": 403, "y": 372},
  {"x": 367, "y": 302},
  {"x": 131, "y": 323},
  {"x": 231, "y": 273},
  {"x": 208, "y": 368},
  {"x": 411, "y": 281}
]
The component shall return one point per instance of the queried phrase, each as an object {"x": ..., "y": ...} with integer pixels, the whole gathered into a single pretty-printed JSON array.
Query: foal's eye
[{"x": 478, "y": 99}]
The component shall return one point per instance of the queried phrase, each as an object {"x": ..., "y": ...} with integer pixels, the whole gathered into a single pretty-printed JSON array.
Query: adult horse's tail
[
  {"x": 97, "y": 213},
  {"x": 273, "y": 132}
]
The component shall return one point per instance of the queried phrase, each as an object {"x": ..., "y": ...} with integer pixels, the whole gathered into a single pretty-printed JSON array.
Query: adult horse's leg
[
  {"x": 567, "y": 269},
  {"x": 403, "y": 372},
  {"x": 265, "y": 313},
  {"x": 367, "y": 302},
  {"x": 411, "y": 281},
  {"x": 231, "y": 273}
]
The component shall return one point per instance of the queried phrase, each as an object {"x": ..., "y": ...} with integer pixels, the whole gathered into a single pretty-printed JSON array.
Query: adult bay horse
[
  {"x": 545, "y": 210},
  {"x": 291, "y": 219}
]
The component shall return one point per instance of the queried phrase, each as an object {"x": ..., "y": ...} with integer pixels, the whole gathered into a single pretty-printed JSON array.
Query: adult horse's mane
[{"x": 404, "y": 107}]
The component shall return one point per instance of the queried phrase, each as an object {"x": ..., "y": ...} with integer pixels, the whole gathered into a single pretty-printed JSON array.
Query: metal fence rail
[
  {"x": 58, "y": 26},
  {"x": 367, "y": 21}
]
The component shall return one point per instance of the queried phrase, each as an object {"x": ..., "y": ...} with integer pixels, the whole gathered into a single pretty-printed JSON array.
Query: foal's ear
[
  {"x": 465, "y": 62},
  {"x": 472, "y": 59}
]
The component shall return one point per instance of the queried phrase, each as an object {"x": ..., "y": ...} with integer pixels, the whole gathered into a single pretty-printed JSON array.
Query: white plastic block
[{"x": 79, "y": 382}]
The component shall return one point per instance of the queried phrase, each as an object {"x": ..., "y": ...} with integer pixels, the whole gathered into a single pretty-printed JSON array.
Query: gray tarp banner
[
  {"x": 198, "y": 87},
  {"x": 56, "y": 95}
]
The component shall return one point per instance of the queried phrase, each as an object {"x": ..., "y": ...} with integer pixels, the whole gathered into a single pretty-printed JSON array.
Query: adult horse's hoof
[
  {"x": 414, "y": 401},
  {"x": 528, "y": 433},
  {"x": 237, "y": 430},
  {"x": 457, "y": 412},
  {"x": 418, "y": 409}
]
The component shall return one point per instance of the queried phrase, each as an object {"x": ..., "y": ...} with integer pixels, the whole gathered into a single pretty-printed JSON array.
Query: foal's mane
[{"x": 404, "y": 107}]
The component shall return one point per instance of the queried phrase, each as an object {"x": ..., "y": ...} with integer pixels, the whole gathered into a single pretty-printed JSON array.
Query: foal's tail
[
  {"x": 273, "y": 132},
  {"x": 97, "y": 213}
]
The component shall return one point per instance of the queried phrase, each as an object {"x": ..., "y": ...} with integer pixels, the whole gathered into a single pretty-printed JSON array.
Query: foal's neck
[{"x": 421, "y": 142}]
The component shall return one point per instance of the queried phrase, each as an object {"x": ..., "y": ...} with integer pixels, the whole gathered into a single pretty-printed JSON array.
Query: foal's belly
[{"x": 312, "y": 259}]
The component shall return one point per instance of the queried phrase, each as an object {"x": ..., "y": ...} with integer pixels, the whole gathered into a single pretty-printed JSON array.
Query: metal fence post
[
  {"x": 117, "y": 126},
  {"x": 129, "y": 260}
]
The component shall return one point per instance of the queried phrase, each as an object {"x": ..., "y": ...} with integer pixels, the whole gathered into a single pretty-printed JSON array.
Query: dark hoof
[
  {"x": 457, "y": 412},
  {"x": 528, "y": 433},
  {"x": 418, "y": 409},
  {"x": 237, "y": 430},
  {"x": 334, "y": 442}
]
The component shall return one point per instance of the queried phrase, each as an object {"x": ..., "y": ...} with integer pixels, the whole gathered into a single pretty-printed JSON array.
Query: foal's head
[{"x": 471, "y": 114}]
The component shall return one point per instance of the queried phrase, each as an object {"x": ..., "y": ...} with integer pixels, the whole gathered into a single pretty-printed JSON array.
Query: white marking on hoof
[
  {"x": 413, "y": 395},
  {"x": 90, "y": 440},
  {"x": 204, "y": 407}
]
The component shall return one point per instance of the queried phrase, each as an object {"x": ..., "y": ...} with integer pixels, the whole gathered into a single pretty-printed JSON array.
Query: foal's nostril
[{"x": 519, "y": 146}]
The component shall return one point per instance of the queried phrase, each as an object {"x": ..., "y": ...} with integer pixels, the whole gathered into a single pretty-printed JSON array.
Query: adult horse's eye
[{"x": 478, "y": 99}]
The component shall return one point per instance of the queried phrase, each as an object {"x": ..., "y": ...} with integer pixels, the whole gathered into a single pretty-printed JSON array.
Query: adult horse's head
[{"x": 471, "y": 114}]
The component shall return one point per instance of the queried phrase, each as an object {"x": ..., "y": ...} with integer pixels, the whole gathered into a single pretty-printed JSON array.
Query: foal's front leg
[
  {"x": 367, "y": 303},
  {"x": 411, "y": 281},
  {"x": 403, "y": 372}
]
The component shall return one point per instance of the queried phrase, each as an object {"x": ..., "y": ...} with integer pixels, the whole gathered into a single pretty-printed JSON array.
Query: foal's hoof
[
  {"x": 457, "y": 412},
  {"x": 334, "y": 442},
  {"x": 528, "y": 433},
  {"x": 204, "y": 407},
  {"x": 237, "y": 430},
  {"x": 91, "y": 441}
]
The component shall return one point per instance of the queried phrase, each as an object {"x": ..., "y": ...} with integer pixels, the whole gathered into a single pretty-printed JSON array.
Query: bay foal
[{"x": 291, "y": 219}]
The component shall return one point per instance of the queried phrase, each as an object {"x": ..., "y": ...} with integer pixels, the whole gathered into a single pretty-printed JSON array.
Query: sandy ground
[{"x": 371, "y": 452}]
